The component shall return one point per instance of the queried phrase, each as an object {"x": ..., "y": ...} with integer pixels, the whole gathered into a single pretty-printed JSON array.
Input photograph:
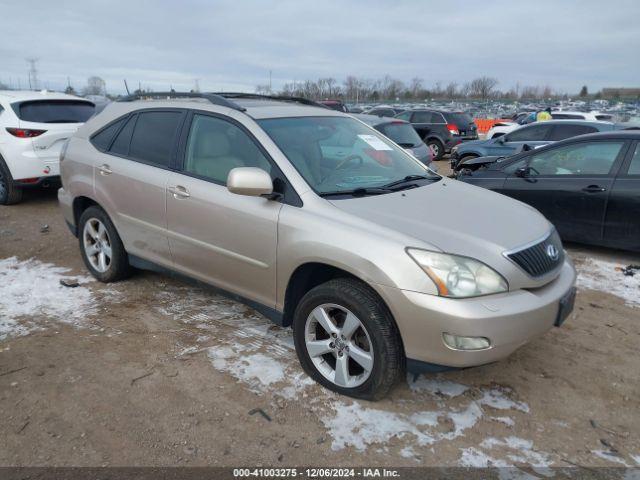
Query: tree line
[{"x": 355, "y": 89}]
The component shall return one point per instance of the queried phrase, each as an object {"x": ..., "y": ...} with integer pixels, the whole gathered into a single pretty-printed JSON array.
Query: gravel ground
[{"x": 153, "y": 371}]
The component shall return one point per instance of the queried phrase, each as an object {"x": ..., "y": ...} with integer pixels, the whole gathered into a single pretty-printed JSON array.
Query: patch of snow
[
  {"x": 437, "y": 386},
  {"x": 610, "y": 456},
  {"x": 524, "y": 449},
  {"x": 604, "y": 276},
  {"x": 508, "y": 421},
  {"x": 463, "y": 420},
  {"x": 408, "y": 452},
  {"x": 472, "y": 457},
  {"x": 636, "y": 458},
  {"x": 496, "y": 398},
  {"x": 31, "y": 294},
  {"x": 356, "y": 426}
]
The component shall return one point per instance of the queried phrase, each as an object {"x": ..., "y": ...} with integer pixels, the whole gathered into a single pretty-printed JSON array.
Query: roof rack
[
  {"x": 282, "y": 98},
  {"x": 216, "y": 99}
]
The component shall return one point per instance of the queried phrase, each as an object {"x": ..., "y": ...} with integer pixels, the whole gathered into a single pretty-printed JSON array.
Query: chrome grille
[{"x": 537, "y": 260}]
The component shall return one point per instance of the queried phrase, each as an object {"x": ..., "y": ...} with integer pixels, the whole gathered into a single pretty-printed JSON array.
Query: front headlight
[
  {"x": 458, "y": 277},
  {"x": 454, "y": 149}
]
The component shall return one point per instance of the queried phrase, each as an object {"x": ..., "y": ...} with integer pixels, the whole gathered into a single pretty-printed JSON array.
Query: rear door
[
  {"x": 534, "y": 136},
  {"x": 59, "y": 119},
  {"x": 562, "y": 132},
  {"x": 423, "y": 123},
  {"x": 570, "y": 186},
  {"x": 217, "y": 236},
  {"x": 622, "y": 221},
  {"x": 131, "y": 177}
]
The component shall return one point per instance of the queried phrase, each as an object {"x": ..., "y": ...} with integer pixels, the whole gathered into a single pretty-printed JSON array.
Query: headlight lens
[{"x": 458, "y": 277}]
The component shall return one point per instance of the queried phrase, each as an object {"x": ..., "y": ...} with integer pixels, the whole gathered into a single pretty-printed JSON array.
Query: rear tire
[
  {"x": 437, "y": 149},
  {"x": 101, "y": 247},
  {"x": 10, "y": 193},
  {"x": 369, "y": 352}
]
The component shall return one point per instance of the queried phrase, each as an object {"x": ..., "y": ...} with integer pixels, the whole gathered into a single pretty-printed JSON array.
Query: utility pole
[
  {"x": 270, "y": 82},
  {"x": 33, "y": 73}
]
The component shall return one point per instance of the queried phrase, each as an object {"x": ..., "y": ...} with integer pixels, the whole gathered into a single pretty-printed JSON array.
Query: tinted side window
[
  {"x": 422, "y": 117},
  {"x": 634, "y": 166},
  {"x": 216, "y": 146},
  {"x": 404, "y": 116},
  {"x": 566, "y": 116},
  {"x": 154, "y": 137},
  {"x": 587, "y": 158},
  {"x": 102, "y": 139},
  {"x": 560, "y": 132},
  {"x": 120, "y": 145},
  {"x": 529, "y": 134}
]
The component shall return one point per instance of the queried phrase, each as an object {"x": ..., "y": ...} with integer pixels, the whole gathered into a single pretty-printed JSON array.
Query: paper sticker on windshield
[{"x": 375, "y": 142}]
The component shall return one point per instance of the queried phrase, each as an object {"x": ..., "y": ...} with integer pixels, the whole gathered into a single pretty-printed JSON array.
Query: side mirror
[
  {"x": 522, "y": 172},
  {"x": 250, "y": 181},
  {"x": 501, "y": 139}
]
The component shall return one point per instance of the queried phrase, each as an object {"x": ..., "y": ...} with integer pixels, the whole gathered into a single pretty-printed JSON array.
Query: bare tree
[
  {"x": 95, "y": 86},
  {"x": 482, "y": 87},
  {"x": 451, "y": 90}
]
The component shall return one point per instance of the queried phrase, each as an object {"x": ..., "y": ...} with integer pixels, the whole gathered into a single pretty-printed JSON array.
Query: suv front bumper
[{"x": 508, "y": 320}]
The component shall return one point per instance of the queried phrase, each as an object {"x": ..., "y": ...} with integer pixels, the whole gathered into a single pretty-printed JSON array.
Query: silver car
[{"x": 320, "y": 223}]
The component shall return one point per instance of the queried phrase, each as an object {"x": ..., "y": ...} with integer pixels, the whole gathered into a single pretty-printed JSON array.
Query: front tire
[
  {"x": 346, "y": 339},
  {"x": 10, "y": 194},
  {"x": 101, "y": 247},
  {"x": 437, "y": 149}
]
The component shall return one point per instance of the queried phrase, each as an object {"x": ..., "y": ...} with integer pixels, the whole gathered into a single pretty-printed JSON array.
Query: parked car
[
  {"x": 502, "y": 128},
  {"x": 384, "y": 111},
  {"x": 441, "y": 130},
  {"x": 400, "y": 132},
  {"x": 334, "y": 105},
  {"x": 319, "y": 222},
  {"x": 534, "y": 135},
  {"x": 33, "y": 128},
  {"x": 355, "y": 109},
  {"x": 587, "y": 186}
]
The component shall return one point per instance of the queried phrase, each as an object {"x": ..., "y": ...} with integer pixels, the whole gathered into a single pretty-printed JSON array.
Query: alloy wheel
[
  {"x": 339, "y": 345},
  {"x": 97, "y": 244}
]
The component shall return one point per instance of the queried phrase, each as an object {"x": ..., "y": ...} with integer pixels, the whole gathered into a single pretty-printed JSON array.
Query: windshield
[
  {"x": 401, "y": 133},
  {"x": 55, "y": 111},
  {"x": 336, "y": 154}
]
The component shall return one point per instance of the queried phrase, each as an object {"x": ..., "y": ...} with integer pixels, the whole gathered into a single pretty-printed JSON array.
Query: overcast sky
[{"x": 232, "y": 45}]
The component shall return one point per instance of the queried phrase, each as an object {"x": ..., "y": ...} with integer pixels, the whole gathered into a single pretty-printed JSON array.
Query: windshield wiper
[
  {"x": 410, "y": 178},
  {"x": 357, "y": 192}
]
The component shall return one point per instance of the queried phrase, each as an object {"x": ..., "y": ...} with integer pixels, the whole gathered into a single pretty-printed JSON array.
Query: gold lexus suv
[{"x": 320, "y": 223}]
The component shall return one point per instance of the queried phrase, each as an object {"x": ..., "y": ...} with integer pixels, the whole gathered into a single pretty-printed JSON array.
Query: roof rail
[
  {"x": 216, "y": 99},
  {"x": 282, "y": 98}
]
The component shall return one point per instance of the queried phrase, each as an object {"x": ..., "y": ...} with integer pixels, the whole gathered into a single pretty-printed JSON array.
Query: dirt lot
[{"x": 153, "y": 371}]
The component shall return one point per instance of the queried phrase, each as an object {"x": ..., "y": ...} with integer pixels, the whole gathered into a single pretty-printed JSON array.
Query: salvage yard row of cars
[{"x": 321, "y": 222}]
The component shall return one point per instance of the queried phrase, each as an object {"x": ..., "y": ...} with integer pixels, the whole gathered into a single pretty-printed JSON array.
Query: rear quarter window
[
  {"x": 560, "y": 132},
  {"x": 102, "y": 139},
  {"x": 54, "y": 111}
]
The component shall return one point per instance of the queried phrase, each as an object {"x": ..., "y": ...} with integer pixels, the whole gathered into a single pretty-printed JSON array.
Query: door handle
[
  {"x": 594, "y": 189},
  {"x": 179, "y": 192},
  {"x": 105, "y": 169}
]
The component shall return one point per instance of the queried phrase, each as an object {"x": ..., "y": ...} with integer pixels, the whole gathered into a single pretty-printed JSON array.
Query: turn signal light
[{"x": 25, "y": 132}]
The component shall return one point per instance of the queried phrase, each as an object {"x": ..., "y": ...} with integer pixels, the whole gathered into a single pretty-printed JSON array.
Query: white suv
[{"x": 33, "y": 128}]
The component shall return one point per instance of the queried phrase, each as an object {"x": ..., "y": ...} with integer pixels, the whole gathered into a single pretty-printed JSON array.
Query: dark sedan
[
  {"x": 534, "y": 135},
  {"x": 587, "y": 186},
  {"x": 400, "y": 132}
]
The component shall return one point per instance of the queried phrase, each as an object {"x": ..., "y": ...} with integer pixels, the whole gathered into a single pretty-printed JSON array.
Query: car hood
[
  {"x": 455, "y": 217},
  {"x": 474, "y": 143}
]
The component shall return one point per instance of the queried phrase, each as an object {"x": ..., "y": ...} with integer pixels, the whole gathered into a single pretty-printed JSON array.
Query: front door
[
  {"x": 622, "y": 222},
  {"x": 219, "y": 237},
  {"x": 570, "y": 186}
]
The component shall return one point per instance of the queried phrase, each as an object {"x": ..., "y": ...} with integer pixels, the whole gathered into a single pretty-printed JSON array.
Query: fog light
[{"x": 465, "y": 343}]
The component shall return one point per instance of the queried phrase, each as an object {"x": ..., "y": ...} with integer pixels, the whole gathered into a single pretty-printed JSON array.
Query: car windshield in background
[
  {"x": 401, "y": 133},
  {"x": 340, "y": 154},
  {"x": 55, "y": 111},
  {"x": 461, "y": 119}
]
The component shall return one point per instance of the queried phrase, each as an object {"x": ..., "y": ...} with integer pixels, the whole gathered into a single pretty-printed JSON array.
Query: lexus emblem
[{"x": 552, "y": 252}]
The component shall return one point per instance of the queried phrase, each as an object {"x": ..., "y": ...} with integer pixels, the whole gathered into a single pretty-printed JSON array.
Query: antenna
[
  {"x": 126, "y": 86},
  {"x": 33, "y": 73}
]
